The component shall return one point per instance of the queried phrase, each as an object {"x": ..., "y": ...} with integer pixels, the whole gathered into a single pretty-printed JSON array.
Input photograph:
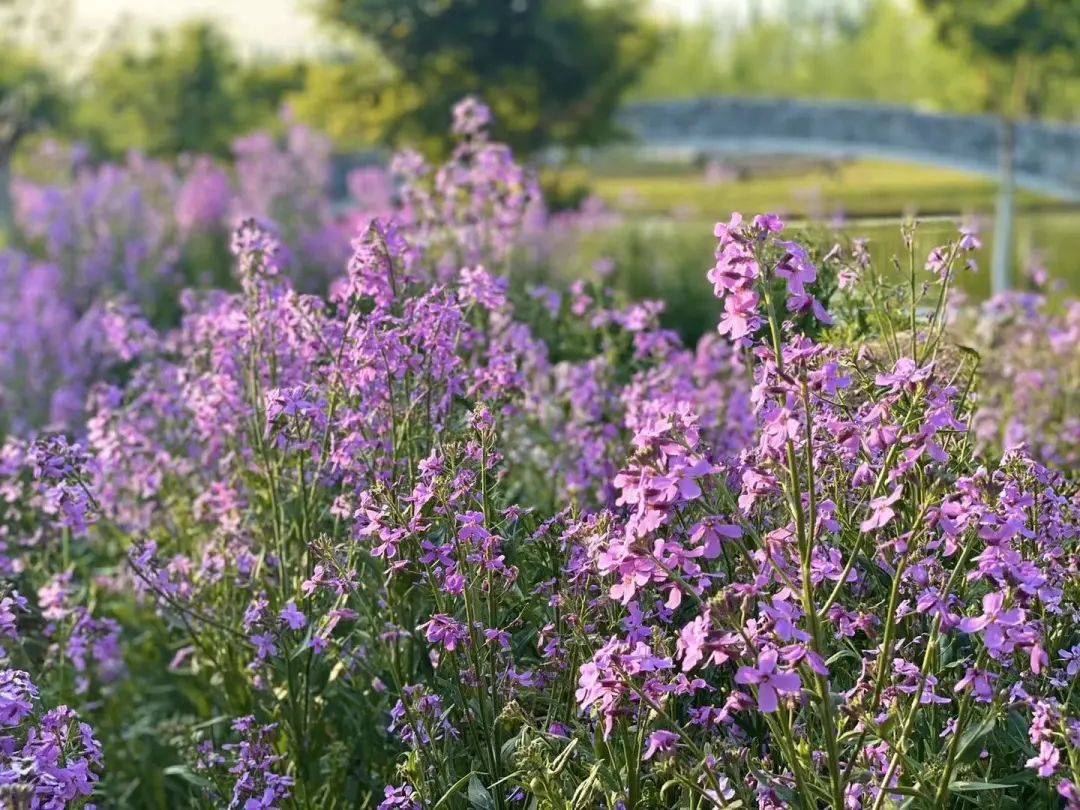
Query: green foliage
[
  {"x": 1031, "y": 43},
  {"x": 886, "y": 51},
  {"x": 564, "y": 189},
  {"x": 356, "y": 100},
  {"x": 185, "y": 92},
  {"x": 553, "y": 71},
  {"x": 857, "y": 188},
  {"x": 30, "y": 99},
  {"x": 263, "y": 85}
]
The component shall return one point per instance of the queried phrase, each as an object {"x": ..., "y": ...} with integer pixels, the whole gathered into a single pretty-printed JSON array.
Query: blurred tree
[
  {"x": 265, "y": 86},
  {"x": 30, "y": 99},
  {"x": 688, "y": 64},
  {"x": 1030, "y": 44},
  {"x": 879, "y": 50},
  {"x": 185, "y": 92},
  {"x": 356, "y": 97},
  {"x": 553, "y": 71}
]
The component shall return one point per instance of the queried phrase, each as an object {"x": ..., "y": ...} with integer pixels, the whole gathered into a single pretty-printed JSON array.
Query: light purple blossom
[{"x": 769, "y": 681}]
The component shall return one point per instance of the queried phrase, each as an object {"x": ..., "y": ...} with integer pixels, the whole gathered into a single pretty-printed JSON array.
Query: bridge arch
[
  {"x": 1044, "y": 157},
  {"x": 1033, "y": 155}
]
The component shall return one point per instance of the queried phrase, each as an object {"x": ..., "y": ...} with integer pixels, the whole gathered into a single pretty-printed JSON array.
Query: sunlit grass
[{"x": 859, "y": 188}]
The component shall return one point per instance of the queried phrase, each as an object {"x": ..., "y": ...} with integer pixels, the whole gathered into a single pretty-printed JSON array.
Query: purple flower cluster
[
  {"x": 430, "y": 539},
  {"x": 93, "y": 241},
  {"x": 48, "y": 761},
  {"x": 1029, "y": 343}
]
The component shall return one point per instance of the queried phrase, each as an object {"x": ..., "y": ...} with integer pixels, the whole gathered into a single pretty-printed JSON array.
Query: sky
[{"x": 279, "y": 27}]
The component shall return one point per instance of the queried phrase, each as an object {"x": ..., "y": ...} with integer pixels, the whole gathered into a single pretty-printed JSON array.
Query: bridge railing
[
  {"x": 1046, "y": 157},
  {"x": 1035, "y": 155}
]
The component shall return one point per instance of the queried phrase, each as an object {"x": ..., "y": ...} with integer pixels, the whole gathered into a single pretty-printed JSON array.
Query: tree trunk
[{"x": 7, "y": 210}]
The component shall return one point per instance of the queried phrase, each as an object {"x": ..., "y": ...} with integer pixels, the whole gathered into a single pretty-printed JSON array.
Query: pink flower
[
  {"x": 691, "y": 643},
  {"x": 1070, "y": 793},
  {"x": 445, "y": 630},
  {"x": 994, "y": 620},
  {"x": 1046, "y": 761},
  {"x": 740, "y": 314},
  {"x": 769, "y": 682},
  {"x": 660, "y": 742},
  {"x": 882, "y": 511},
  {"x": 711, "y": 533}
]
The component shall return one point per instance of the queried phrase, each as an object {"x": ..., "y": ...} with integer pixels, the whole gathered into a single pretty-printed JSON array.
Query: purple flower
[
  {"x": 662, "y": 743},
  {"x": 906, "y": 375},
  {"x": 994, "y": 621},
  {"x": 770, "y": 223},
  {"x": 471, "y": 117},
  {"x": 203, "y": 200},
  {"x": 969, "y": 237},
  {"x": 399, "y": 798},
  {"x": 881, "y": 511},
  {"x": 1045, "y": 763},
  {"x": 256, "y": 247},
  {"x": 785, "y": 618},
  {"x": 57, "y": 758},
  {"x": 291, "y": 617},
  {"x": 17, "y": 696},
  {"x": 914, "y": 682},
  {"x": 446, "y": 630},
  {"x": 768, "y": 681},
  {"x": 980, "y": 682},
  {"x": 1071, "y": 657}
]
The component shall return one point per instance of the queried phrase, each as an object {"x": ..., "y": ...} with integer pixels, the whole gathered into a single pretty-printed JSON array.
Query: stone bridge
[
  {"x": 1038, "y": 156},
  {"x": 1044, "y": 157}
]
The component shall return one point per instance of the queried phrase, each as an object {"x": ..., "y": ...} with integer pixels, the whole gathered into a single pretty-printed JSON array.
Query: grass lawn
[
  {"x": 815, "y": 189},
  {"x": 665, "y": 245},
  {"x": 682, "y": 204}
]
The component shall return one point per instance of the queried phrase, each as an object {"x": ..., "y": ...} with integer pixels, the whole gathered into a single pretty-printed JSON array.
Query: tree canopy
[
  {"x": 30, "y": 99},
  {"x": 885, "y": 51},
  {"x": 185, "y": 92},
  {"x": 1030, "y": 43},
  {"x": 553, "y": 71}
]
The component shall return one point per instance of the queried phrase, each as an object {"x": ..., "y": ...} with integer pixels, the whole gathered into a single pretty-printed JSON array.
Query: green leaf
[
  {"x": 966, "y": 787},
  {"x": 479, "y": 797},
  {"x": 183, "y": 772},
  {"x": 841, "y": 654},
  {"x": 509, "y": 747},
  {"x": 972, "y": 739},
  {"x": 213, "y": 721},
  {"x": 968, "y": 350},
  {"x": 454, "y": 788}
]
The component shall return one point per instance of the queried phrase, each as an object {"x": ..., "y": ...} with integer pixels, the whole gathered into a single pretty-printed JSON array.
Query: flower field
[{"x": 320, "y": 505}]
